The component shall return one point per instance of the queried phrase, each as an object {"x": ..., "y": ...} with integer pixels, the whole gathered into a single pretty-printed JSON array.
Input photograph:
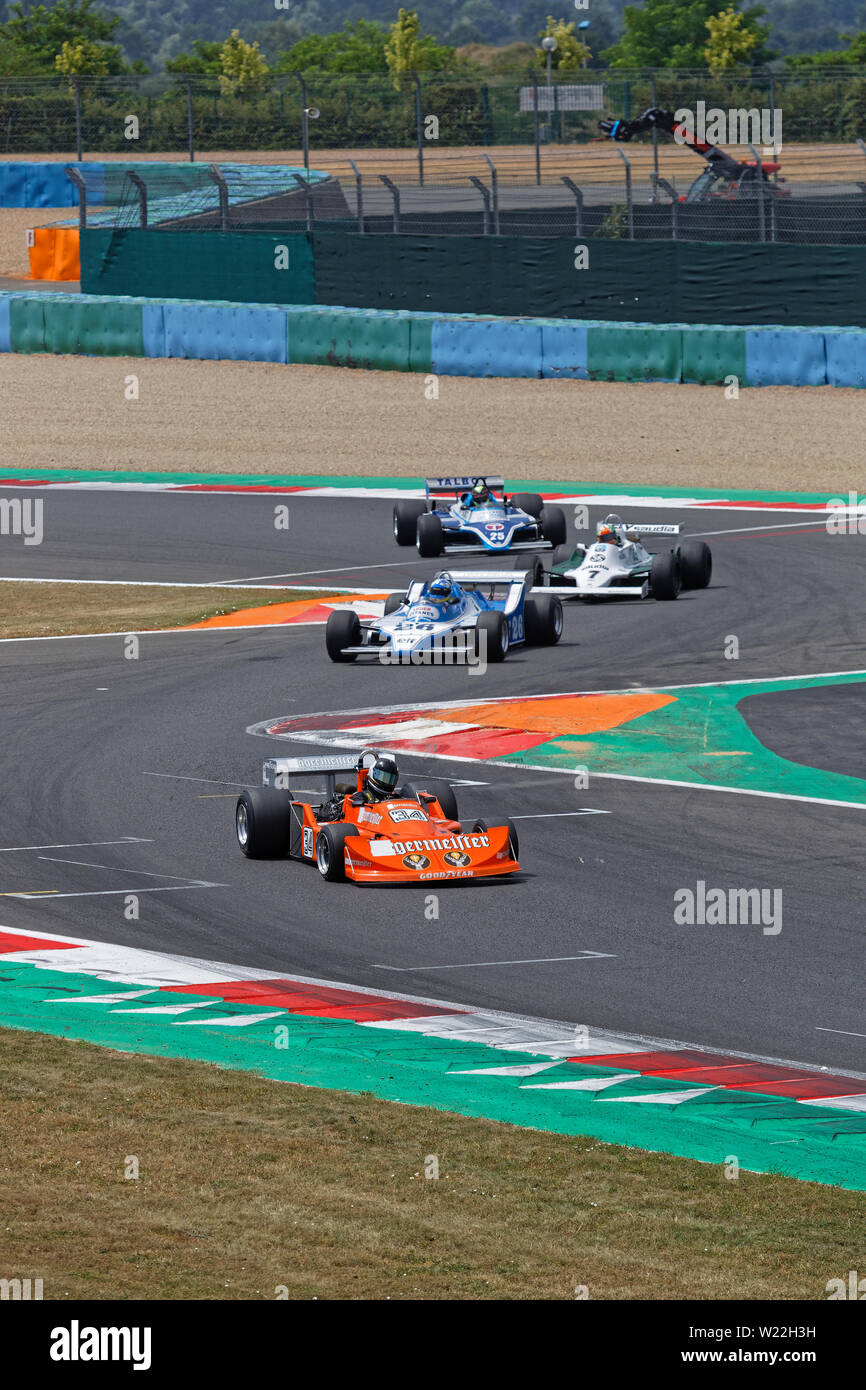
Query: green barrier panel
[
  {"x": 710, "y": 354},
  {"x": 104, "y": 328},
  {"x": 421, "y": 343},
  {"x": 27, "y": 323},
  {"x": 631, "y": 352},
  {"x": 237, "y": 266},
  {"x": 350, "y": 340}
]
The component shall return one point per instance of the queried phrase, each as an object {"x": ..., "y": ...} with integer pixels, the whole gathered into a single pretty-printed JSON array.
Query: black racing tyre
[
  {"x": 542, "y": 618},
  {"x": 696, "y": 564},
  {"x": 562, "y": 556},
  {"x": 448, "y": 801},
  {"x": 665, "y": 578},
  {"x": 495, "y": 626},
  {"x": 533, "y": 567},
  {"x": 331, "y": 852},
  {"x": 552, "y": 522},
  {"x": 529, "y": 502},
  {"x": 393, "y": 602},
  {"x": 407, "y": 792},
  {"x": 406, "y": 516},
  {"x": 262, "y": 821},
  {"x": 429, "y": 536},
  {"x": 485, "y": 825},
  {"x": 342, "y": 630}
]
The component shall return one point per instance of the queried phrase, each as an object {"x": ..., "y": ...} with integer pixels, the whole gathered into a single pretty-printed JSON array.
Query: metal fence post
[
  {"x": 78, "y": 140},
  {"x": 189, "y": 121},
  {"x": 628, "y": 198},
  {"x": 494, "y": 184},
  {"x": 140, "y": 184},
  {"x": 485, "y": 193},
  {"x": 659, "y": 182},
  {"x": 395, "y": 194},
  {"x": 578, "y": 204},
  {"x": 308, "y": 200},
  {"x": 359, "y": 193},
  {"x": 536, "y": 130},
  {"x": 305, "y": 133},
  {"x": 762, "y": 216},
  {"x": 77, "y": 178},
  {"x": 217, "y": 176},
  {"x": 654, "y": 102},
  {"x": 418, "y": 127}
]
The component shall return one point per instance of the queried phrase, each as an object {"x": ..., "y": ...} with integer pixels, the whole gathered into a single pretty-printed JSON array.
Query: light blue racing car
[
  {"x": 464, "y": 515},
  {"x": 484, "y": 613}
]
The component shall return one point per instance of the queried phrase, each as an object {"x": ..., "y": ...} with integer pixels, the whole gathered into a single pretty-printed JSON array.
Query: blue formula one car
[
  {"x": 477, "y": 613},
  {"x": 464, "y": 515}
]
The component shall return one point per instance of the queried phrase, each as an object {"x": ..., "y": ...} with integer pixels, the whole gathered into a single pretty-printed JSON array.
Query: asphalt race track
[{"x": 120, "y": 778}]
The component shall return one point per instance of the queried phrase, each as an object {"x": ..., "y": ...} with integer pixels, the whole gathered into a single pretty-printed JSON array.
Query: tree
[
  {"x": 82, "y": 57},
  {"x": 31, "y": 41},
  {"x": 354, "y": 48},
  {"x": 242, "y": 67},
  {"x": 673, "y": 34},
  {"x": 570, "y": 51},
  {"x": 730, "y": 44},
  {"x": 407, "y": 50},
  {"x": 204, "y": 61}
]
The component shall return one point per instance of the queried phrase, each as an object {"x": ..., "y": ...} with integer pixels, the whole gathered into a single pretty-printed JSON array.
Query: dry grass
[
  {"x": 44, "y": 610},
  {"x": 247, "y": 1184}
]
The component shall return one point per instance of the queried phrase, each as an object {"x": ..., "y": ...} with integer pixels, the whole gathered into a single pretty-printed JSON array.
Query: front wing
[{"x": 442, "y": 858}]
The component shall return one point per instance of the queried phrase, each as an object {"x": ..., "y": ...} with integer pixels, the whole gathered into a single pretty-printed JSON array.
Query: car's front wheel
[
  {"x": 331, "y": 851},
  {"x": 342, "y": 630},
  {"x": 665, "y": 578},
  {"x": 262, "y": 821},
  {"x": 429, "y": 536},
  {"x": 533, "y": 568},
  {"x": 513, "y": 842}
]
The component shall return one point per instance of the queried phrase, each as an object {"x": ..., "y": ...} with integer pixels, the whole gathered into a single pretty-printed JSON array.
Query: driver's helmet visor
[{"x": 383, "y": 779}]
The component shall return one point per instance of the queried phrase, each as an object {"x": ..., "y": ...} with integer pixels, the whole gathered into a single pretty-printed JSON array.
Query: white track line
[
  {"x": 472, "y": 964},
  {"x": 79, "y": 844}
]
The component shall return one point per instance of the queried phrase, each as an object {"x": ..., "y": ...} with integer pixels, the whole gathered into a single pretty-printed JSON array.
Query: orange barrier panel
[{"x": 55, "y": 254}]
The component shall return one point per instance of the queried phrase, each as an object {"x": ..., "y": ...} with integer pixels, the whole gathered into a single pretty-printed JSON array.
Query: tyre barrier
[{"x": 440, "y": 344}]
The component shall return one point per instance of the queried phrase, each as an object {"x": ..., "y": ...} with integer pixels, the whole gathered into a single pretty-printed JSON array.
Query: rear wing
[
  {"x": 451, "y": 488},
  {"x": 278, "y": 772},
  {"x": 475, "y": 579},
  {"x": 651, "y": 529}
]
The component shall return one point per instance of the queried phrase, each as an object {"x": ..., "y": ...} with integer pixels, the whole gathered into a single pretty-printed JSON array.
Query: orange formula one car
[{"x": 372, "y": 831}]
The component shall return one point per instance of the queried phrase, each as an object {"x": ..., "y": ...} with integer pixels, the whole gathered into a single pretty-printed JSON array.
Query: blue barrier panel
[
  {"x": 239, "y": 332},
  {"x": 564, "y": 349},
  {"x": 487, "y": 347},
  {"x": 153, "y": 330},
  {"x": 785, "y": 357},
  {"x": 49, "y": 187},
  {"x": 846, "y": 357},
  {"x": 13, "y": 185},
  {"x": 5, "y": 331}
]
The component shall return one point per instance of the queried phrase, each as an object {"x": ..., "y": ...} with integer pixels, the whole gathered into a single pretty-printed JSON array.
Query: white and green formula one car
[{"x": 617, "y": 565}]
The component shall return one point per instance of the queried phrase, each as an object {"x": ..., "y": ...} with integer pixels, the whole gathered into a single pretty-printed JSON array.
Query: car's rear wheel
[
  {"x": 393, "y": 602},
  {"x": 447, "y": 801},
  {"x": 331, "y": 851},
  {"x": 494, "y": 644},
  {"x": 542, "y": 617},
  {"x": 665, "y": 578},
  {"x": 552, "y": 522},
  {"x": 513, "y": 841},
  {"x": 529, "y": 502},
  {"x": 342, "y": 630},
  {"x": 696, "y": 564},
  {"x": 429, "y": 536},
  {"x": 262, "y": 821},
  {"x": 406, "y": 516},
  {"x": 533, "y": 567}
]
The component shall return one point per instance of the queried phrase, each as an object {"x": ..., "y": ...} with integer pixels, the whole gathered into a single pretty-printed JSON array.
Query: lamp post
[
  {"x": 550, "y": 46},
  {"x": 584, "y": 25}
]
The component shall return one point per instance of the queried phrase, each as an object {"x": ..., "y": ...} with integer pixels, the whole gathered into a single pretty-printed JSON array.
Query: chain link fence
[{"x": 447, "y": 154}]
